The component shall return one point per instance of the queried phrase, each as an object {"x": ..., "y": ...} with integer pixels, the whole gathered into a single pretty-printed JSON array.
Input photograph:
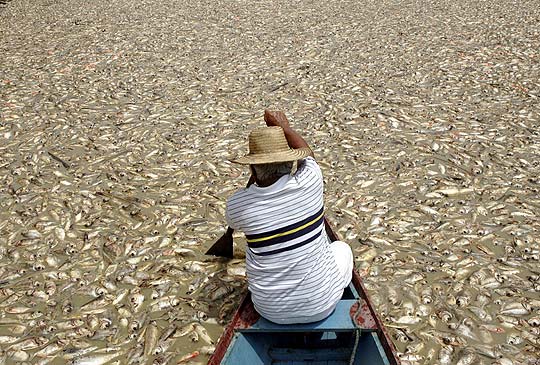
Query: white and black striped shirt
[{"x": 292, "y": 274}]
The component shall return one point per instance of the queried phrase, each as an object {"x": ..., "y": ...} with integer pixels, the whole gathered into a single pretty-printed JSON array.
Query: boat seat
[
  {"x": 339, "y": 321},
  {"x": 329, "y": 341}
]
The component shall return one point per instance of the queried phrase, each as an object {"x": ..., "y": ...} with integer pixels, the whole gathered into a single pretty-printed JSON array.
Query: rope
[{"x": 355, "y": 347}]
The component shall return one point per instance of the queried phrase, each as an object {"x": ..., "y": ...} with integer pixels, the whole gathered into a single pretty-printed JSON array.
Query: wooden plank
[
  {"x": 370, "y": 351},
  {"x": 310, "y": 363},
  {"x": 247, "y": 350},
  {"x": 338, "y": 321},
  {"x": 354, "y": 291},
  {"x": 337, "y": 362},
  {"x": 289, "y": 354},
  {"x": 380, "y": 348},
  {"x": 329, "y": 336}
]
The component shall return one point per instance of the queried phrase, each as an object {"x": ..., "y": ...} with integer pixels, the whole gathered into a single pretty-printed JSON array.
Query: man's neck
[{"x": 266, "y": 183}]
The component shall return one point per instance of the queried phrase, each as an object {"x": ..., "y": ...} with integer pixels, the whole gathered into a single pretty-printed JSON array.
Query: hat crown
[
  {"x": 267, "y": 140},
  {"x": 269, "y": 145}
]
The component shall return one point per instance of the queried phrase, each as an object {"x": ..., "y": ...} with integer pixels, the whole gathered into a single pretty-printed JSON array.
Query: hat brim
[{"x": 275, "y": 157}]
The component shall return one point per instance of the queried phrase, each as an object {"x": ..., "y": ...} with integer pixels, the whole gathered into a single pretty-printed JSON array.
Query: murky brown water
[{"x": 117, "y": 119}]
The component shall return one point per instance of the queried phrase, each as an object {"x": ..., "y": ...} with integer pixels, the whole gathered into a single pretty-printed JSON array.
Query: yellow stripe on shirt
[{"x": 287, "y": 232}]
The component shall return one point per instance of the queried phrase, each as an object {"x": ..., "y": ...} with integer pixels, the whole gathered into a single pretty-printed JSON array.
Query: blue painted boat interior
[
  {"x": 339, "y": 321},
  {"x": 327, "y": 342}
]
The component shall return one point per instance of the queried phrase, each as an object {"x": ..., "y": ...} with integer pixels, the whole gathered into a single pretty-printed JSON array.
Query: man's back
[{"x": 292, "y": 273}]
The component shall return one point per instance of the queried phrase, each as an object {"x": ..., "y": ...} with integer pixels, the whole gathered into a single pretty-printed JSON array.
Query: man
[{"x": 295, "y": 274}]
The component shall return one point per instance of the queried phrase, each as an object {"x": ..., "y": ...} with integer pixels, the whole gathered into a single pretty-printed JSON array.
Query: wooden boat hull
[{"x": 352, "y": 334}]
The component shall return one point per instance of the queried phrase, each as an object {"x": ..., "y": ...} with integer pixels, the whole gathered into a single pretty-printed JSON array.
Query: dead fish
[
  {"x": 467, "y": 359},
  {"x": 515, "y": 309},
  {"x": 207, "y": 350},
  {"x": 4, "y": 340},
  {"x": 188, "y": 357},
  {"x": 51, "y": 349},
  {"x": 29, "y": 344},
  {"x": 446, "y": 355},
  {"x": 236, "y": 271},
  {"x": 31, "y": 234},
  {"x": 455, "y": 191},
  {"x": 17, "y": 355},
  {"x": 203, "y": 334},
  {"x": 151, "y": 338},
  {"x": 98, "y": 359}
]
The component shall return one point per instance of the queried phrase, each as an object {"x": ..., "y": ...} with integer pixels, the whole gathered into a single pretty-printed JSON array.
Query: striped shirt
[{"x": 292, "y": 274}]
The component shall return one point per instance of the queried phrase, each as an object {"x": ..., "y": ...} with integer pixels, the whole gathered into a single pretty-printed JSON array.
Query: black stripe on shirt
[
  {"x": 288, "y": 248},
  {"x": 288, "y": 237},
  {"x": 286, "y": 228}
]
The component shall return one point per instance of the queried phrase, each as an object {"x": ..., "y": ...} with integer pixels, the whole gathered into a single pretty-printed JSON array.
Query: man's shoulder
[
  {"x": 242, "y": 197},
  {"x": 235, "y": 205},
  {"x": 308, "y": 166},
  {"x": 238, "y": 194}
]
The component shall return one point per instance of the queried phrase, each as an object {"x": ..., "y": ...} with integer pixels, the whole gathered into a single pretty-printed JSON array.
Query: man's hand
[{"x": 276, "y": 119}]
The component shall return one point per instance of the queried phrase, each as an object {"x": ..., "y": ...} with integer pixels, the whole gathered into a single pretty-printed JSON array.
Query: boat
[{"x": 352, "y": 334}]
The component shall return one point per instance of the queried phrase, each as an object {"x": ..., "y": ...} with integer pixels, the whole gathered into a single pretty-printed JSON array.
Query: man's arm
[
  {"x": 277, "y": 118},
  {"x": 223, "y": 247}
]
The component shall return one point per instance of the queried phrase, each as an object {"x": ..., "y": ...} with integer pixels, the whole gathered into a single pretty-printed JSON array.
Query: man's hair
[{"x": 269, "y": 171}]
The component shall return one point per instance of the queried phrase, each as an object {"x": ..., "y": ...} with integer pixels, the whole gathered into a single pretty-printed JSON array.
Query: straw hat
[{"x": 269, "y": 145}]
